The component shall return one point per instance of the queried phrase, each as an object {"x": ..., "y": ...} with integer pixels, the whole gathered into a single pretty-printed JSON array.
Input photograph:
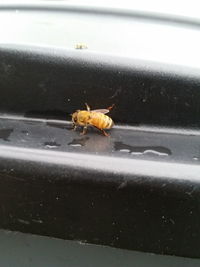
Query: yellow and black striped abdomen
[{"x": 100, "y": 120}]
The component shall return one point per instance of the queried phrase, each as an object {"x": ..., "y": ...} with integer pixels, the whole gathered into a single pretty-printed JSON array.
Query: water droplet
[
  {"x": 79, "y": 142},
  {"x": 51, "y": 144},
  {"x": 125, "y": 150},
  {"x": 25, "y": 132},
  {"x": 150, "y": 151},
  {"x": 142, "y": 150},
  {"x": 195, "y": 158},
  {"x": 75, "y": 145}
]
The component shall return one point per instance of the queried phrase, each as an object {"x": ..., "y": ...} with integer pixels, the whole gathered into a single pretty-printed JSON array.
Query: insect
[{"x": 95, "y": 118}]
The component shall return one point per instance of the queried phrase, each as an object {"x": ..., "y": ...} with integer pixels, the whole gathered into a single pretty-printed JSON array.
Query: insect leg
[
  {"x": 88, "y": 108},
  {"x": 74, "y": 127},
  {"x": 84, "y": 130},
  {"x": 111, "y": 107},
  {"x": 103, "y": 132}
]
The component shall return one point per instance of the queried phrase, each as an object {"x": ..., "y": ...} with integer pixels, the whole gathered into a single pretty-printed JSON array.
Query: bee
[{"x": 95, "y": 118}]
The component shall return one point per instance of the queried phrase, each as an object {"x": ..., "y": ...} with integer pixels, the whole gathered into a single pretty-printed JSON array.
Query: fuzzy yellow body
[{"x": 95, "y": 119}]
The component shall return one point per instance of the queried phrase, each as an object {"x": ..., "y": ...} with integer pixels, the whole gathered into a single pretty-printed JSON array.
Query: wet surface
[
  {"x": 122, "y": 142},
  {"x": 5, "y": 133},
  {"x": 25, "y": 132},
  {"x": 79, "y": 141},
  {"x": 59, "y": 125},
  {"x": 139, "y": 150},
  {"x": 51, "y": 144}
]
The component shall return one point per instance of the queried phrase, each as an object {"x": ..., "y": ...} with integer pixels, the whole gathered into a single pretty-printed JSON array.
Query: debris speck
[
  {"x": 23, "y": 221},
  {"x": 81, "y": 46}
]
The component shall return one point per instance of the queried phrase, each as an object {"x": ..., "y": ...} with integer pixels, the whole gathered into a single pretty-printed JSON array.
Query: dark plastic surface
[
  {"x": 53, "y": 83},
  {"x": 138, "y": 189}
]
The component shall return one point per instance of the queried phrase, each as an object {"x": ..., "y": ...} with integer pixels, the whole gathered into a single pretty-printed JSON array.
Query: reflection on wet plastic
[
  {"x": 141, "y": 150},
  {"x": 5, "y": 133},
  {"x": 51, "y": 144},
  {"x": 125, "y": 150},
  {"x": 25, "y": 132},
  {"x": 59, "y": 125},
  {"x": 79, "y": 141}
]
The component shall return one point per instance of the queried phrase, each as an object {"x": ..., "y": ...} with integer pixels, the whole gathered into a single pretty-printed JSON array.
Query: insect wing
[{"x": 104, "y": 111}]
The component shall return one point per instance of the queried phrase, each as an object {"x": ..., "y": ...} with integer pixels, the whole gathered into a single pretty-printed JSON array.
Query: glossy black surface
[
  {"x": 53, "y": 83},
  {"x": 124, "y": 142},
  {"x": 94, "y": 189}
]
